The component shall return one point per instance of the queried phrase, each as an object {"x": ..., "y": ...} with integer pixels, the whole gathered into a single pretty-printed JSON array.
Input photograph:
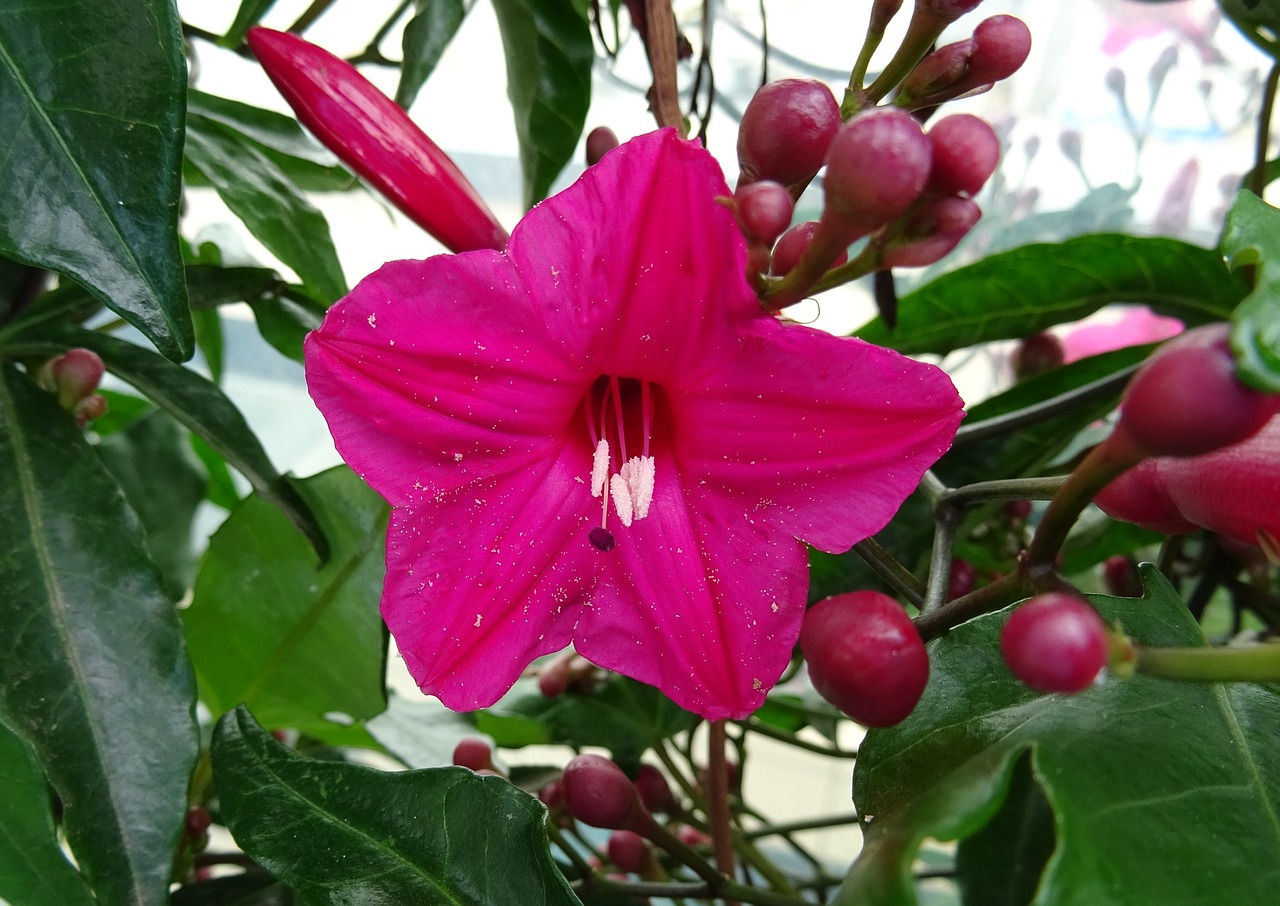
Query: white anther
[
  {"x": 621, "y": 495},
  {"x": 638, "y": 473},
  {"x": 599, "y": 468}
]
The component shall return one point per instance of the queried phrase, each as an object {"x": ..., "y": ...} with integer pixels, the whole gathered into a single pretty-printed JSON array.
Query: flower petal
[
  {"x": 484, "y": 579},
  {"x": 432, "y": 374},
  {"x": 638, "y": 266},
  {"x": 699, "y": 600},
  {"x": 821, "y": 436}
]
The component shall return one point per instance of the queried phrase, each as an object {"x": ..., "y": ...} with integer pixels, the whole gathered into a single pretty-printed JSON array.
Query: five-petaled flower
[{"x": 598, "y": 437}]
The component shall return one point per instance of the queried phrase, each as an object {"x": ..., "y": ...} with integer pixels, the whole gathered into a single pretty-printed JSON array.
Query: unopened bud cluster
[
  {"x": 73, "y": 378},
  {"x": 886, "y": 177}
]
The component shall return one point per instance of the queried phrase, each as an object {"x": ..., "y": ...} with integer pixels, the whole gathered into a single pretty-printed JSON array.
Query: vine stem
[
  {"x": 1254, "y": 663},
  {"x": 718, "y": 798},
  {"x": 1258, "y": 178},
  {"x": 664, "y": 97},
  {"x": 309, "y": 16}
]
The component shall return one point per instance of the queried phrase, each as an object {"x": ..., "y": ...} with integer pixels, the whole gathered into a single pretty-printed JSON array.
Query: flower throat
[{"x": 630, "y": 485}]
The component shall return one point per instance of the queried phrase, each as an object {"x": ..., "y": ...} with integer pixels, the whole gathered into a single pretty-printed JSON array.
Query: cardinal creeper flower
[{"x": 598, "y": 437}]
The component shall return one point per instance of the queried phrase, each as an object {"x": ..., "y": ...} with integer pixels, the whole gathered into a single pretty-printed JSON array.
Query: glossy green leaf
[
  {"x": 209, "y": 340},
  {"x": 549, "y": 58},
  {"x": 93, "y": 673},
  {"x": 91, "y": 95},
  {"x": 214, "y": 285},
  {"x": 439, "y": 836},
  {"x": 426, "y": 36},
  {"x": 284, "y": 322},
  {"x": 196, "y": 403},
  {"x": 302, "y": 644},
  {"x": 1028, "y": 449},
  {"x": 1001, "y": 864},
  {"x": 33, "y": 870},
  {"x": 622, "y": 715},
  {"x": 164, "y": 482},
  {"x": 221, "y": 489},
  {"x": 1122, "y": 764},
  {"x": 1258, "y": 20},
  {"x": 1029, "y": 289},
  {"x": 259, "y": 193},
  {"x": 307, "y": 164},
  {"x": 248, "y": 14},
  {"x": 1251, "y": 238}
]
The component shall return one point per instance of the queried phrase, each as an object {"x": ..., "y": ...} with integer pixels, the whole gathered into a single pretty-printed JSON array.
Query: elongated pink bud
[{"x": 376, "y": 138}]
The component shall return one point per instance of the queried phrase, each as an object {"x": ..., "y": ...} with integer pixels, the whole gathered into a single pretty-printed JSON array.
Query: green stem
[
  {"x": 792, "y": 827},
  {"x": 987, "y": 599},
  {"x": 1104, "y": 462},
  {"x": 945, "y": 519},
  {"x": 922, "y": 31},
  {"x": 1246, "y": 664},
  {"x": 1005, "y": 489},
  {"x": 756, "y": 725},
  {"x": 722, "y": 888},
  {"x": 999, "y": 425},
  {"x": 310, "y": 15},
  {"x": 887, "y": 567},
  {"x": 1258, "y": 178}
]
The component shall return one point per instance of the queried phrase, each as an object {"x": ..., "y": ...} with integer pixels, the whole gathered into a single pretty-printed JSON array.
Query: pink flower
[
  {"x": 1138, "y": 325},
  {"x": 598, "y": 437},
  {"x": 1234, "y": 491}
]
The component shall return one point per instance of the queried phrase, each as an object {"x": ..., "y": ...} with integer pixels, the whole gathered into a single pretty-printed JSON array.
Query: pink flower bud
[
  {"x": 939, "y": 224},
  {"x": 947, "y": 10},
  {"x": 1001, "y": 44},
  {"x": 878, "y": 164},
  {"x": 74, "y": 375},
  {"x": 92, "y": 407},
  {"x": 791, "y": 248},
  {"x": 785, "y": 132},
  {"x": 600, "y": 141},
  {"x": 965, "y": 153},
  {"x": 376, "y": 138},
  {"x": 598, "y": 793},
  {"x": 1139, "y": 496},
  {"x": 763, "y": 210},
  {"x": 998, "y": 48}
]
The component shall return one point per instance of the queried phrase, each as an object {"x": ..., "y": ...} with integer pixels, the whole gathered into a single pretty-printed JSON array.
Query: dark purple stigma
[{"x": 601, "y": 539}]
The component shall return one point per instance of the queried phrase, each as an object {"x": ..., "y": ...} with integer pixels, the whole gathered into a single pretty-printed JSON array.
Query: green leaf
[
  {"x": 622, "y": 715},
  {"x": 1027, "y": 450},
  {"x": 421, "y": 733},
  {"x": 1029, "y": 289},
  {"x": 221, "y": 489},
  {"x": 1125, "y": 764},
  {"x": 259, "y": 193},
  {"x": 93, "y": 673},
  {"x": 1258, "y": 20},
  {"x": 164, "y": 482},
  {"x": 549, "y": 58},
  {"x": 91, "y": 95},
  {"x": 253, "y": 888},
  {"x": 1001, "y": 864},
  {"x": 307, "y": 164},
  {"x": 33, "y": 870},
  {"x": 439, "y": 836},
  {"x": 284, "y": 322},
  {"x": 248, "y": 15},
  {"x": 298, "y": 641},
  {"x": 209, "y": 340},
  {"x": 196, "y": 403},
  {"x": 213, "y": 285},
  {"x": 426, "y": 36},
  {"x": 1250, "y": 238}
]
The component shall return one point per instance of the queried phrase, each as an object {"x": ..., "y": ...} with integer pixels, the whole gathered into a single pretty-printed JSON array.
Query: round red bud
[
  {"x": 628, "y": 850},
  {"x": 1186, "y": 399},
  {"x": 939, "y": 224},
  {"x": 877, "y": 165},
  {"x": 962, "y": 579},
  {"x": 865, "y": 656},
  {"x": 1055, "y": 643},
  {"x": 965, "y": 153},
  {"x": 763, "y": 210},
  {"x": 785, "y": 132},
  {"x": 947, "y": 10},
  {"x": 600, "y": 141},
  {"x": 1036, "y": 354},
  {"x": 1120, "y": 575},
  {"x": 1001, "y": 44},
  {"x": 474, "y": 754},
  {"x": 654, "y": 790},
  {"x": 597, "y": 793}
]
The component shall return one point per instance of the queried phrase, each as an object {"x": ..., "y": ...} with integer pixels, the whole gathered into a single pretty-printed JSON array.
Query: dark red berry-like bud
[
  {"x": 554, "y": 675},
  {"x": 600, "y": 141},
  {"x": 1018, "y": 509},
  {"x": 865, "y": 656},
  {"x": 74, "y": 375},
  {"x": 947, "y": 10},
  {"x": 877, "y": 165},
  {"x": 628, "y": 850},
  {"x": 965, "y": 153},
  {"x": 1120, "y": 575},
  {"x": 1001, "y": 44},
  {"x": 1055, "y": 643},
  {"x": 654, "y": 790},
  {"x": 791, "y": 247},
  {"x": 1036, "y": 354},
  {"x": 198, "y": 821},
  {"x": 474, "y": 754},
  {"x": 1186, "y": 399},
  {"x": 785, "y": 132},
  {"x": 963, "y": 577},
  {"x": 933, "y": 230},
  {"x": 598, "y": 793},
  {"x": 763, "y": 210},
  {"x": 998, "y": 48}
]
